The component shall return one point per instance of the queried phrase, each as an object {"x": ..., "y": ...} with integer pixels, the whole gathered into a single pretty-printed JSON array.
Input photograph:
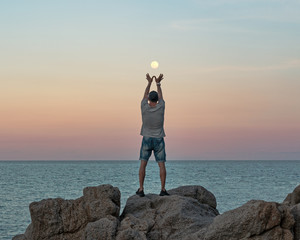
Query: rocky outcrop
[
  {"x": 59, "y": 219},
  {"x": 254, "y": 220},
  {"x": 293, "y": 198},
  {"x": 173, "y": 217},
  {"x": 296, "y": 213},
  {"x": 188, "y": 213},
  {"x": 293, "y": 202},
  {"x": 197, "y": 192}
]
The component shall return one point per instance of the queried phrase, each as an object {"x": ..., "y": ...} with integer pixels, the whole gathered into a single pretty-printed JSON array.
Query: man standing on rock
[{"x": 153, "y": 133}]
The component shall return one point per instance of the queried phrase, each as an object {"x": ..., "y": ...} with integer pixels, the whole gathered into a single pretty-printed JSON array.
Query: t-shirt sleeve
[
  {"x": 144, "y": 102},
  {"x": 162, "y": 102}
]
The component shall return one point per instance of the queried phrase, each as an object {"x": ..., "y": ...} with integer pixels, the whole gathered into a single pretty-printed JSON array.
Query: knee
[
  {"x": 162, "y": 165},
  {"x": 143, "y": 168}
]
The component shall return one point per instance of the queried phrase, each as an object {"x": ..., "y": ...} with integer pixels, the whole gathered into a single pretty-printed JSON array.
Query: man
[{"x": 153, "y": 133}]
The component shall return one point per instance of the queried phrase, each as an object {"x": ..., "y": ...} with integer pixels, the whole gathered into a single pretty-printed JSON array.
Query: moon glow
[{"x": 154, "y": 64}]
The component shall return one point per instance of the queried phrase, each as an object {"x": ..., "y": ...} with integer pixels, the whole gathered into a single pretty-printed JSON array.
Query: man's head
[{"x": 153, "y": 96}]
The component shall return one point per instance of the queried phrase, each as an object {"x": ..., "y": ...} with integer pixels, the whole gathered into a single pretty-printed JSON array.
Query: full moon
[{"x": 154, "y": 64}]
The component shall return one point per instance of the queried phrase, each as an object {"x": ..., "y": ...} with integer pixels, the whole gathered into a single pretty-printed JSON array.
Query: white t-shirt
[{"x": 153, "y": 119}]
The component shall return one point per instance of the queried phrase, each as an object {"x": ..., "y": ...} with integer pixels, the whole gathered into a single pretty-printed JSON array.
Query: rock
[
  {"x": 254, "y": 220},
  {"x": 59, "y": 219},
  {"x": 293, "y": 198},
  {"x": 103, "y": 229},
  {"x": 293, "y": 201},
  {"x": 102, "y": 201},
  {"x": 197, "y": 192},
  {"x": 131, "y": 234},
  {"x": 188, "y": 213},
  {"x": 296, "y": 213},
  {"x": 168, "y": 217},
  {"x": 19, "y": 237},
  {"x": 276, "y": 233}
]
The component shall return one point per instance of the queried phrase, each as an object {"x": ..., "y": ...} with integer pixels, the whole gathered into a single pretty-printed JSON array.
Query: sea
[{"x": 232, "y": 182}]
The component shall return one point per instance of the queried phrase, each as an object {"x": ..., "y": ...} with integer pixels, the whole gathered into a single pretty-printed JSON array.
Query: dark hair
[{"x": 153, "y": 96}]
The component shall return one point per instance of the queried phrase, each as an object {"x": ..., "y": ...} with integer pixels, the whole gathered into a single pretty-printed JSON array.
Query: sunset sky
[{"x": 73, "y": 74}]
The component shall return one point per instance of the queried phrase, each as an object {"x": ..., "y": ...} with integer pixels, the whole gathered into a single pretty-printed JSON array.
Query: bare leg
[
  {"x": 163, "y": 175},
  {"x": 142, "y": 174}
]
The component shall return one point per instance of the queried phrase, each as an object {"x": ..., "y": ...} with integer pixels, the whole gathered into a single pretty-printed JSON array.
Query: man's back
[{"x": 153, "y": 119}]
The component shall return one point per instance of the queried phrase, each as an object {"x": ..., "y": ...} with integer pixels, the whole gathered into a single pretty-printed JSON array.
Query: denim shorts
[{"x": 157, "y": 145}]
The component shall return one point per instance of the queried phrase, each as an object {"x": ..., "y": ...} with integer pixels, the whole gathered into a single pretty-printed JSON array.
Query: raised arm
[
  {"x": 159, "y": 91},
  {"x": 147, "y": 90}
]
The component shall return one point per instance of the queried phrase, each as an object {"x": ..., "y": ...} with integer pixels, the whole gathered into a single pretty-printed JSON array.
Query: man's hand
[
  {"x": 149, "y": 79},
  {"x": 160, "y": 78}
]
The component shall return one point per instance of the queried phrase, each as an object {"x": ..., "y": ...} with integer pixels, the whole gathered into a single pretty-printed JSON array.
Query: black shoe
[
  {"x": 140, "y": 193},
  {"x": 164, "y": 193}
]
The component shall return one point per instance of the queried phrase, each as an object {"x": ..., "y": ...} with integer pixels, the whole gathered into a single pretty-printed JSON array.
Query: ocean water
[{"x": 232, "y": 182}]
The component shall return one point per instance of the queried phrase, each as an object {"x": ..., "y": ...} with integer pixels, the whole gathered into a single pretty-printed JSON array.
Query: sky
[{"x": 73, "y": 72}]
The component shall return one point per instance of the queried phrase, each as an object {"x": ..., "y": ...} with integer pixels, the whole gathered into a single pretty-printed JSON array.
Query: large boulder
[
  {"x": 185, "y": 211},
  {"x": 199, "y": 193},
  {"x": 103, "y": 229},
  {"x": 59, "y": 219},
  {"x": 293, "y": 198},
  {"x": 293, "y": 201},
  {"x": 254, "y": 220},
  {"x": 296, "y": 213}
]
